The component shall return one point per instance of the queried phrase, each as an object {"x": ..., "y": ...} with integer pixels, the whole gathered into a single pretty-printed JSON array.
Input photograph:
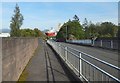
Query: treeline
[
  {"x": 31, "y": 33},
  {"x": 28, "y": 33},
  {"x": 105, "y": 29},
  {"x": 74, "y": 30}
]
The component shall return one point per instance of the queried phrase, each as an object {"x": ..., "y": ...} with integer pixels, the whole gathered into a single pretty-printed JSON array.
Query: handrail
[
  {"x": 95, "y": 67},
  {"x": 97, "y": 59},
  {"x": 116, "y": 79},
  {"x": 101, "y": 70},
  {"x": 73, "y": 53}
]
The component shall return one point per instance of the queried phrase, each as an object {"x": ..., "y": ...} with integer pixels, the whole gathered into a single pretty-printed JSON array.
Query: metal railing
[{"x": 82, "y": 64}]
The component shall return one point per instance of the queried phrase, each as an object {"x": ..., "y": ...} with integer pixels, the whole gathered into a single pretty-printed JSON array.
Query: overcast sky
[{"x": 44, "y": 15}]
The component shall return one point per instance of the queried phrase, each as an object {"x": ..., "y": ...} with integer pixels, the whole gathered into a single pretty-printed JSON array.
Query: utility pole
[{"x": 66, "y": 32}]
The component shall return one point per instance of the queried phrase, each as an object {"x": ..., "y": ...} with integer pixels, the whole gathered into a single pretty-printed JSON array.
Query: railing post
[
  {"x": 80, "y": 65},
  {"x": 111, "y": 42},
  {"x": 102, "y": 78},
  {"x": 93, "y": 42},
  {"x": 59, "y": 49},
  {"x": 65, "y": 54},
  {"x": 101, "y": 43}
]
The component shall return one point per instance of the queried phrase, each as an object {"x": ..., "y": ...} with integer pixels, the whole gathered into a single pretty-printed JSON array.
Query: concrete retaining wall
[{"x": 16, "y": 52}]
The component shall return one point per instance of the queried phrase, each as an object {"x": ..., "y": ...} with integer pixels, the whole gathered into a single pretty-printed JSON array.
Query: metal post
[
  {"x": 89, "y": 72},
  {"x": 93, "y": 42},
  {"x": 102, "y": 78},
  {"x": 66, "y": 54},
  {"x": 80, "y": 65},
  {"x": 93, "y": 74},
  {"x": 59, "y": 49},
  {"x": 111, "y": 44},
  {"x": 101, "y": 43}
]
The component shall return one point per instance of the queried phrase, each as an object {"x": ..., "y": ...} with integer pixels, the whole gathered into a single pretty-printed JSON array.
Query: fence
[
  {"x": 84, "y": 65},
  {"x": 87, "y": 41},
  {"x": 109, "y": 43}
]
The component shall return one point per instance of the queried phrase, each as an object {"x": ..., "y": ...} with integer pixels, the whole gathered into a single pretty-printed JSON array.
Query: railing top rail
[
  {"x": 73, "y": 53},
  {"x": 114, "y": 78},
  {"x": 97, "y": 59}
]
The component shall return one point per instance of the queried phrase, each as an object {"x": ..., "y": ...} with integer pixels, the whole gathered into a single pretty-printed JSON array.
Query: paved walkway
[{"x": 45, "y": 66}]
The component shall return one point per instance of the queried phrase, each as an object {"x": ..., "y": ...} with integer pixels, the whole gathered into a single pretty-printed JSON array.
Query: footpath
[{"x": 46, "y": 66}]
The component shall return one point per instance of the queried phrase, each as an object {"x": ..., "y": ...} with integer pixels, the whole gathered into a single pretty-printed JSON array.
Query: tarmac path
[{"x": 45, "y": 65}]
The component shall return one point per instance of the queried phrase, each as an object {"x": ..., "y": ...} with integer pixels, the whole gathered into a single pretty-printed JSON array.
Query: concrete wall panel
[{"x": 16, "y": 52}]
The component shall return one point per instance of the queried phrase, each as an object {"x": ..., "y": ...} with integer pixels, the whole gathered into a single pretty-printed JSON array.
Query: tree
[
  {"x": 16, "y": 22},
  {"x": 118, "y": 33},
  {"x": 108, "y": 28},
  {"x": 74, "y": 30},
  {"x": 76, "y": 18},
  {"x": 105, "y": 29},
  {"x": 85, "y": 23},
  {"x": 31, "y": 33},
  {"x": 92, "y": 31},
  {"x": 36, "y": 31},
  {"x": 88, "y": 30},
  {"x": 26, "y": 33},
  {"x": 85, "y": 26}
]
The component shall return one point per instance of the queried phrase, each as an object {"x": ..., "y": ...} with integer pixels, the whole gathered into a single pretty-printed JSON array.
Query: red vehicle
[{"x": 51, "y": 33}]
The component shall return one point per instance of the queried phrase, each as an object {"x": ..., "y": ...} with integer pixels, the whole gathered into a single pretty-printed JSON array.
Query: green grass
[{"x": 23, "y": 77}]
